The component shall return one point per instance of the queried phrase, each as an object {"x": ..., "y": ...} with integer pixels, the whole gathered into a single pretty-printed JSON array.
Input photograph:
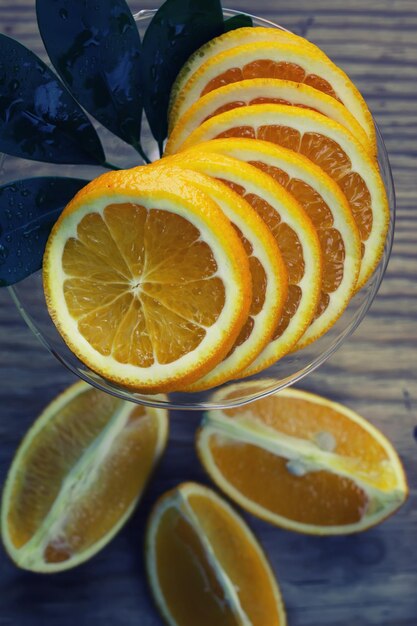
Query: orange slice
[
  {"x": 295, "y": 235},
  {"x": 268, "y": 271},
  {"x": 205, "y": 566},
  {"x": 263, "y": 91},
  {"x": 327, "y": 144},
  {"x": 299, "y": 64},
  {"x": 146, "y": 280},
  {"x": 229, "y": 40},
  {"x": 77, "y": 477},
  {"x": 329, "y": 211},
  {"x": 302, "y": 462}
]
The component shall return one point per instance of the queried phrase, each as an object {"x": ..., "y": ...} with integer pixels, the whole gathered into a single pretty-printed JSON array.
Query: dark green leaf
[
  {"x": 237, "y": 21},
  {"x": 177, "y": 30},
  {"x": 28, "y": 210},
  {"x": 95, "y": 47},
  {"x": 39, "y": 119}
]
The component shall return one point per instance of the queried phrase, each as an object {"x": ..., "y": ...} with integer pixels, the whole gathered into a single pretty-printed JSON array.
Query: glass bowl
[{"x": 29, "y": 298}]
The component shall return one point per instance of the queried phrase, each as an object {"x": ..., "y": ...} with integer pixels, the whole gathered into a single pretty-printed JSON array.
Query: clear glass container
[{"x": 29, "y": 297}]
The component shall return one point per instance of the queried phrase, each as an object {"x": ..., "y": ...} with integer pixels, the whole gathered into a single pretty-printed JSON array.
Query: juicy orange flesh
[
  {"x": 236, "y": 104},
  {"x": 331, "y": 242},
  {"x": 188, "y": 582},
  {"x": 290, "y": 248},
  {"x": 55, "y": 451},
  {"x": 265, "y": 68},
  {"x": 325, "y": 153},
  {"x": 240, "y": 560},
  {"x": 318, "y": 497},
  {"x": 145, "y": 292}
]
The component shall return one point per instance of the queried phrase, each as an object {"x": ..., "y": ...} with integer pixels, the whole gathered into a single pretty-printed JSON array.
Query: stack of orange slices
[{"x": 245, "y": 242}]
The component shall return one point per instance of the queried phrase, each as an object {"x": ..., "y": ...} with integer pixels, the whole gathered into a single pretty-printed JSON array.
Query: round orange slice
[
  {"x": 327, "y": 144},
  {"x": 77, "y": 477},
  {"x": 229, "y": 40},
  {"x": 204, "y": 565},
  {"x": 146, "y": 280},
  {"x": 295, "y": 235},
  {"x": 302, "y": 462},
  {"x": 263, "y": 91},
  {"x": 299, "y": 64},
  {"x": 268, "y": 271},
  {"x": 329, "y": 211}
]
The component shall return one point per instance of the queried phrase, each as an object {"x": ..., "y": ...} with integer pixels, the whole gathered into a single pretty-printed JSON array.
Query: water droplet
[
  {"x": 4, "y": 253},
  {"x": 63, "y": 14},
  {"x": 296, "y": 468},
  {"x": 325, "y": 441},
  {"x": 14, "y": 84},
  {"x": 25, "y": 193},
  {"x": 8, "y": 238}
]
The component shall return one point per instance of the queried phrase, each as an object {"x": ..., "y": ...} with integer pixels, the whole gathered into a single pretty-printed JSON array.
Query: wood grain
[{"x": 368, "y": 580}]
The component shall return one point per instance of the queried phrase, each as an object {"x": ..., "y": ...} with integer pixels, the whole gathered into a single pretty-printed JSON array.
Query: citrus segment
[
  {"x": 76, "y": 477},
  {"x": 302, "y": 462},
  {"x": 329, "y": 211},
  {"x": 285, "y": 61},
  {"x": 204, "y": 565},
  {"x": 263, "y": 91},
  {"x": 155, "y": 304},
  {"x": 327, "y": 144},
  {"x": 293, "y": 231},
  {"x": 268, "y": 272}
]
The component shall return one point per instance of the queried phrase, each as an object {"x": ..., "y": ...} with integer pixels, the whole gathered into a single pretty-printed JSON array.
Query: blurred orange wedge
[
  {"x": 302, "y": 462},
  {"x": 146, "y": 280},
  {"x": 77, "y": 477},
  {"x": 327, "y": 144},
  {"x": 204, "y": 565}
]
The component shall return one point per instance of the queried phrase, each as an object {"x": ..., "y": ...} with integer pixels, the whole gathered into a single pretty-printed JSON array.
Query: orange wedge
[
  {"x": 146, "y": 280},
  {"x": 204, "y": 565},
  {"x": 327, "y": 144},
  {"x": 263, "y": 91},
  {"x": 286, "y": 61},
  {"x": 229, "y": 40},
  {"x": 302, "y": 462},
  {"x": 329, "y": 211},
  {"x": 295, "y": 235},
  {"x": 268, "y": 271},
  {"x": 77, "y": 477}
]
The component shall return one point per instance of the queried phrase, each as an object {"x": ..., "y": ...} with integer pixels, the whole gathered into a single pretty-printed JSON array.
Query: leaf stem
[
  {"x": 137, "y": 146},
  {"x": 110, "y": 166}
]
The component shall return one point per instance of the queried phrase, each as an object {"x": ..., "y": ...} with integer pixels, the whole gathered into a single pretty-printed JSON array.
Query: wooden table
[{"x": 365, "y": 580}]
